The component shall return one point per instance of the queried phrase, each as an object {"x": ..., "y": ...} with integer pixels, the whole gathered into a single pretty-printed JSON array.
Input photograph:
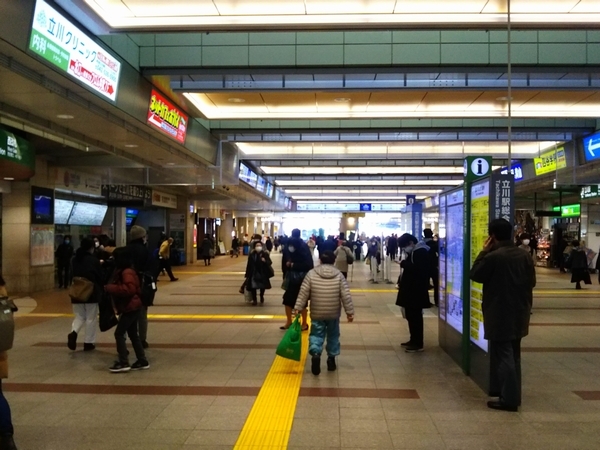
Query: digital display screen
[
  {"x": 247, "y": 176},
  {"x": 454, "y": 260},
  {"x": 130, "y": 216},
  {"x": 42, "y": 206},
  {"x": 269, "y": 191},
  {"x": 62, "y": 211},
  {"x": 261, "y": 184},
  {"x": 90, "y": 214}
]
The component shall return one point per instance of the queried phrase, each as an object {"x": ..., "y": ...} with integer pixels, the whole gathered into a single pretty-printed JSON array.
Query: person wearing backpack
[
  {"x": 147, "y": 268},
  {"x": 86, "y": 266},
  {"x": 343, "y": 257},
  {"x": 125, "y": 290}
]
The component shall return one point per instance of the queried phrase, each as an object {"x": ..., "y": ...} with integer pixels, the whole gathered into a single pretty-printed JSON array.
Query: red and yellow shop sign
[{"x": 166, "y": 117}]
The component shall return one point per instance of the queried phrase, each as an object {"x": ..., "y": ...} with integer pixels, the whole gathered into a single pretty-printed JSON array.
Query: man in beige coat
[{"x": 327, "y": 290}]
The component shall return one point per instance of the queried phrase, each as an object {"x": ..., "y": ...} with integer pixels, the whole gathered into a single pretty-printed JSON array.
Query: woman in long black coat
[
  {"x": 413, "y": 292},
  {"x": 258, "y": 272}
]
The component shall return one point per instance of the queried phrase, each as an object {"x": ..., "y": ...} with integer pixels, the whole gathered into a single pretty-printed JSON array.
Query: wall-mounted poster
[{"x": 42, "y": 245}]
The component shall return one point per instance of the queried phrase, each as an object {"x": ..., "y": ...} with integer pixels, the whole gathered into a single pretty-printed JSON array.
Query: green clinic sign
[
  {"x": 568, "y": 210},
  {"x": 61, "y": 43}
]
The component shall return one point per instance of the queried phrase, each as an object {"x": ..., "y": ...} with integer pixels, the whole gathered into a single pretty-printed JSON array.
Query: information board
[
  {"x": 247, "y": 176},
  {"x": 90, "y": 214},
  {"x": 62, "y": 211},
  {"x": 454, "y": 259},
  {"x": 480, "y": 218}
]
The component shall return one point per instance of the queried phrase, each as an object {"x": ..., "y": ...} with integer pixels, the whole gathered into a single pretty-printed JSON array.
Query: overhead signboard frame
[
  {"x": 166, "y": 117},
  {"x": 63, "y": 44}
]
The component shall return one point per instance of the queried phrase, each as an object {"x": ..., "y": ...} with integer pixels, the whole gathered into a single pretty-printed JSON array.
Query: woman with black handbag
[{"x": 259, "y": 271}]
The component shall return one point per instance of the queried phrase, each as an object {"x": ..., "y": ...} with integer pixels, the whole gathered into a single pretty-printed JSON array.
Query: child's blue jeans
[{"x": 318, "y": 330}]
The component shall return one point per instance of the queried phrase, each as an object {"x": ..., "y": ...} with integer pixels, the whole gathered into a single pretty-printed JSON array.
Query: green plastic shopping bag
[{"x": 290, "y": 346}]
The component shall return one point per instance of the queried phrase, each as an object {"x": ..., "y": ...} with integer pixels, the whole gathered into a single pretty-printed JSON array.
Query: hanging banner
[
  {"x": 166, "y": 117},
  {"x": 502, "y": 205},
  {"x": 63, "y": 44},
  {"x": 550, "y": 161}
]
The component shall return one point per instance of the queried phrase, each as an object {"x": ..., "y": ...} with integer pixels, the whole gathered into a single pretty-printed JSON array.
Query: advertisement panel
[
  {"x": 78, "y": 182},
  {"x": 166, "y": 117},
  {"x": 550, "y": 161},
  {"x": 64, "y": 45},
  {"x": 480, "y": 218},
  {"x": 163, "y": 199},
  {"x": 42, "y": 245}
]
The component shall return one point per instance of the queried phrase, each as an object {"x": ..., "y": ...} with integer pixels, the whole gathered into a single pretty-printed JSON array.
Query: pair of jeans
[
  {"x": 414, "y": 317},
  {"x": 319, "y": 329},
  {"x": 128, "y": 324},
  {"x": 6, "y": 426},
  {"x": 505, "y": 371}
]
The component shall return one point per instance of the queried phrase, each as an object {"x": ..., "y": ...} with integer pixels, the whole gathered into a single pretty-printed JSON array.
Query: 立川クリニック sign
[{"x": 61, "y": 43}]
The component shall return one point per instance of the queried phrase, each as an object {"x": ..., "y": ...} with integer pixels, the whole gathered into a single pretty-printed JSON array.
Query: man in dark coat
[
  {"x": 508, "y": 276},
  {"x": 143, "y": 262},
  {"x": 413, "y": 292},
  {"x": 392, "y": 247},
  {"x": 297, "y": 260}
]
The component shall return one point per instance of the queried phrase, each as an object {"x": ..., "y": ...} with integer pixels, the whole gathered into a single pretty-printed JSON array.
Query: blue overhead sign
[
  {"x": 365, "y": 207},
  {"x": 515, "y": 169},
  {"x": 591, "y": 147}
]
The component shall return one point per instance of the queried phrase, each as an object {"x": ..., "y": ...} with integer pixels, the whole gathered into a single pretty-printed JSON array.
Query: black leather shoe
[
  {"x": 331, "y": 365},
  {"x": 315, "y": 365},
  {"x": 501, "y": 406},
  {"x": 88, "y": 347},
  {"x": 72, "y": 341}
]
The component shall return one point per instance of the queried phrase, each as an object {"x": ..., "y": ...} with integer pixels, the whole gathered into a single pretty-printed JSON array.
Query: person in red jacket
[{"x": 125, "y": 291}]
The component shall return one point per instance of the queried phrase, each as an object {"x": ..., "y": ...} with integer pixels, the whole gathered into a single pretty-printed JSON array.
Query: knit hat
[{"x": 137, "y": 232}]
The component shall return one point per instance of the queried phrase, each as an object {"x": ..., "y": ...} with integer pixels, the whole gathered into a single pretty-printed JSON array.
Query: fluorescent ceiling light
[
  {"x": 467, "y": 104},
  {"x": 348, "y": 197},
  {"x": 294, "y": 192},
  {"x": 424, "y": 150},
  {"x": 357, "y": 170},
  {"x": 326, "y": 13},
  {"x": 352, "y": 183}
]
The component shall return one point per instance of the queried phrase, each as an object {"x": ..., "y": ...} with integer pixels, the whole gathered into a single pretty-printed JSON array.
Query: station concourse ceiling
[{"x": 354, "y": 133}]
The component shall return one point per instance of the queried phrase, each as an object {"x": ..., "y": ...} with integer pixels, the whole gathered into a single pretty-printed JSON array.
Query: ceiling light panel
[
  {"x": 347, "y": 197},
  {"x": 265, "y": 14},
  {"x": 357, "y": 170},
  {"x": 353, "y": 183},
  {"x": 364, "y": 190},
  {"x": 396, "y": 104},
  {"x": 427, "y": 150}
]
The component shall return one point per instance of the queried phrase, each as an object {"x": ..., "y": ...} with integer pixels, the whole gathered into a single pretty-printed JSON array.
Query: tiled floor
[{"x": 206, "y": 374}]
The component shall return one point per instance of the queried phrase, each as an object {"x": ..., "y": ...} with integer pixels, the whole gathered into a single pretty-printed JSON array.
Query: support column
[{"x": 120, "y": 227}]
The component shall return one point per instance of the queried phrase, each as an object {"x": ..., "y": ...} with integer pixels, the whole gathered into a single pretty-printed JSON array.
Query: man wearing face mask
[
  {"x": 258, "y": 272},
  {"x": 64, "y": 254},
  {"x": 413, "y": 292},
  {"x": 298, "y": 260}
]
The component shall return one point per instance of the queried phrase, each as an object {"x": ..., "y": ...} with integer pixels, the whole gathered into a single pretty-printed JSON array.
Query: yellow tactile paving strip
[
  {"x": 269, "y": 423},
  {"x": 180, "y": 316}
]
